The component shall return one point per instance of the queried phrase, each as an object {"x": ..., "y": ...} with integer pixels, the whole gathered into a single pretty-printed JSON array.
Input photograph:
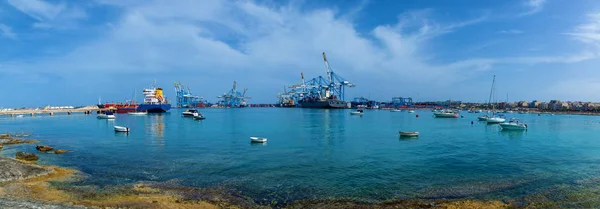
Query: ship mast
[{"x": 492, "y": 92}]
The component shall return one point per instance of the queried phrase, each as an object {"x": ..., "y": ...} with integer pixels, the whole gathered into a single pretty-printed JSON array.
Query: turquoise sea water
[{"x": 319, "y": 154}]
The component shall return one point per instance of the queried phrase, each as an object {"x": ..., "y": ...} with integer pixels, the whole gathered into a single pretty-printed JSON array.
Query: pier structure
[
  {"x": 233, "y": 98},
  {"x": 32, "y": 112}
]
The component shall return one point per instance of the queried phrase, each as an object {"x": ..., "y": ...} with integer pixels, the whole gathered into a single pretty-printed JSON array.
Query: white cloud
[
  {"x": 273, "y": 43},
  {"x": 588, "y": 32},
  {"x": 47, "y": 14},
  {"x": 511, "y": 31},
  {"x": 7, "y": 31},
  {"x": 534, "y": 6}
]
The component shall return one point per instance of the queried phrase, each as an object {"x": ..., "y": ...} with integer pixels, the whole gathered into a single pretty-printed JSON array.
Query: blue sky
[{"x": 57, "y": 52}]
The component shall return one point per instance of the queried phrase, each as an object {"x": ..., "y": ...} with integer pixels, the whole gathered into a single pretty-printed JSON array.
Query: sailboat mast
[{"x": 492, "y": 92}]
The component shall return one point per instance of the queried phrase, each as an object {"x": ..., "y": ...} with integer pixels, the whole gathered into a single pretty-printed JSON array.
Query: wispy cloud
[
  {"x": 534, "y": 6},
  {"x": 511, "y": 31},
  {"x": 7, "y": 31},
  {"x": 47, "y": 14},
  {"x": 588, "y": 32},
  {"x": 38, "y": 9}
]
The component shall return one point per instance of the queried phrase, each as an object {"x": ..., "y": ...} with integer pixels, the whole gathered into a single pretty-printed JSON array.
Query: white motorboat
[
  {"x": 106, "y": 115},
  {"x": 445, "y": 114},
  {"x": 396, "y": 110},
  {"x": 258, "y": 139},
  {"x": 495, "y": 120},
  {"x": 408, "y": 134},
  {"x": 137, "y": 113},
  {"x": 513, "y": 125},
  {"x": 357, "y": 112},
  {"x": 483, "y": 118},
  {"x": 121, "y": 129},
  {"x": 20, "y": 116},
  {"x": 189, "y": 113},
  {"x": 411, "y": 111}
]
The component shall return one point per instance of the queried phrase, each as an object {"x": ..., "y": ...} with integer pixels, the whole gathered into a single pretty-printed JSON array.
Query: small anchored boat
[
  {"x": 258, "y": 139},
  {"x": 137, "y": 113},
  {"x": 411, "y": 111},
  {"x": 483, "y": 118},
  {"x": 189, "y": 113},
  {"x": 446, "y": 114},
  {"x": 106, "y": 115},
  {"x": 357, "y": 112},
  {"x": 408, "y": 134},
  {"x": 513, "y": 125},
  {"x": 396, "y": 110},
  {"x": 495, "y": 120},
  {"x": 121, "y": 129}
]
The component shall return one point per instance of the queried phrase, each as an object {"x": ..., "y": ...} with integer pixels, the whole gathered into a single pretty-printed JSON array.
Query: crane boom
[{"x": 327, "y": 68}]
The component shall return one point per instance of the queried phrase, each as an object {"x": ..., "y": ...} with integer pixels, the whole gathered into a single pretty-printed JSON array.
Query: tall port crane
[{"x": 233, "y": 98}]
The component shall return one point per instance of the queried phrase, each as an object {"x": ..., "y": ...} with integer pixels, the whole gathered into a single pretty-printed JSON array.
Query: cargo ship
[
  {"x": 324, "y": 103},
  {"x": 126, "y": 107},
  {"x": 154, "y": 101},
  {"x": 130, "y": 106}
]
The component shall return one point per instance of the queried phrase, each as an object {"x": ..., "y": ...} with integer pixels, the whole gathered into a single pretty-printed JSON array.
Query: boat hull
[
  {"x": 121, "y": 129},
  {"x": 323, "y": 104},
  {"x": 409, "y": 134},
  {"x": 258, "y": 140},
  {"x": 513, "y": 126},
  {"x": 106, "y": 117},
  {"x": 445, "y": 115},
  {"x": 495, "y": 120},
  {"x": 126, "y": 109},
  {"x": 154, "y": 108}
]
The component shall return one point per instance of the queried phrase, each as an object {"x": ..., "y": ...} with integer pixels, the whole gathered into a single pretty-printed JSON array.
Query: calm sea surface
[{"x": 323, "y": 153}]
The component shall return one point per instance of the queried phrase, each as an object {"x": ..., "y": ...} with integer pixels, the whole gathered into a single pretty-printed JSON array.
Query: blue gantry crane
[
  {"x": 402, "y": 102},
  {"x": 186, "y": 99},
  {"x": 233, "y": 98},
  {"x": 332, "y": 86}
]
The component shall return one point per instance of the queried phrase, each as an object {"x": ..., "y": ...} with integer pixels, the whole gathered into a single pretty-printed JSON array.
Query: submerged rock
[
  {"x": 1, "y": 147},
  {"x": 60, "y": 151},
  {"x": 26, "y": 156},
  {"x": 43, "y": 148}
]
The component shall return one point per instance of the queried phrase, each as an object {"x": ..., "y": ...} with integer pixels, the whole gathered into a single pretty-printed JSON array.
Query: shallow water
[{"x": 323, "y": 153}]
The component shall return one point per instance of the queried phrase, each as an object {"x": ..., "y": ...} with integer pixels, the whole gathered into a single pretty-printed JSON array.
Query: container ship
[
  {"x": 154, "y": 101},
  {"x": 324, "y": 103}
]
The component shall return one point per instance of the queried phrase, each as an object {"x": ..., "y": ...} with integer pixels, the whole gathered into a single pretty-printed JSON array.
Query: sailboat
[{"x": 494, "y": 119}]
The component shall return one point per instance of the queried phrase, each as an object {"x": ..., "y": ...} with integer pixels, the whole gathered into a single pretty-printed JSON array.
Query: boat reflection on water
[
  {"x": 258, "y": 144},
  {"x": 156, "y": 128},
  {"x": 512, "y": 134}
]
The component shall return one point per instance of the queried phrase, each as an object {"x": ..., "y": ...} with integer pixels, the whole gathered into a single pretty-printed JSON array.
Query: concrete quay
[{"x": 33, "y": 112}]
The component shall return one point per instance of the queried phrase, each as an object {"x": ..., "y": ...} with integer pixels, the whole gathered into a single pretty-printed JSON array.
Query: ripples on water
[{"x": 323, "y": 153}]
